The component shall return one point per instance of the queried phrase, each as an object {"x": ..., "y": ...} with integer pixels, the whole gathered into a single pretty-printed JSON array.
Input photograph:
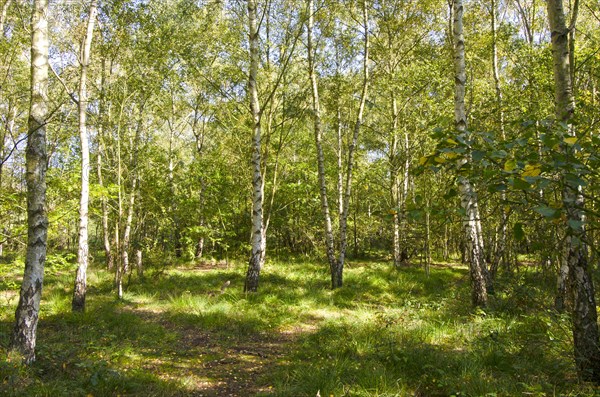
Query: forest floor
[{"x": 387, "y": 332}]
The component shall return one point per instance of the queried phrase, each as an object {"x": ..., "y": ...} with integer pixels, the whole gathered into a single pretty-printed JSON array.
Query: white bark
[
  {"x": 336, "y": 264},
  {"x": 395, "y": 183},
  {"x": 337, "y": 277},
  {"x": 79, "y": 292},
  {"x": 471, "y": 220},
  {"x": 104, "y": 204},
  {"x": 257, "y": 256},
  {"x": 118, "y": 267},
  {"x": 101, "y": 150},
  {"x": 575, "y": 259},
  {"x": 329, "y": 240},
  {"x": 132, "y": 194},
  {"x": 340, "y": 162},
  {"x": 3, "y": 14},
  {"x": 501, "y": 250},
  {"x": 26, "y": 316}
]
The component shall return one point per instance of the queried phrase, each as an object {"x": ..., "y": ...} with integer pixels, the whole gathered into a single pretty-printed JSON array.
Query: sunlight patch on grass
[
  {"x": 55, "y": 301},
  {"x": 387, "y": 332}
]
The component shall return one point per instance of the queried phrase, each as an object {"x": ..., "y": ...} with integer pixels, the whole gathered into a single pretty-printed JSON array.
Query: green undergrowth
[{"x": 387, "y": 332}]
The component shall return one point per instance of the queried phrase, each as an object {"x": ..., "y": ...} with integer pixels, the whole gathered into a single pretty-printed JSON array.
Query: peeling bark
[
  {"x": 329, "y": 241},
  {"x": 336, "y": 265},
  {"x": 79, "y": 291},
  {"x": 468, "y": 195},
  {"x": 26, "y": 316},
  {"x": 395, "y": 183},
  {"x": 575, "y": 261},
  {"x": 500, "y": 254},
  {"x": 256, "y": 257},
  {"x": 336, "y": 275},
  {"x": 101, "y": 149}
]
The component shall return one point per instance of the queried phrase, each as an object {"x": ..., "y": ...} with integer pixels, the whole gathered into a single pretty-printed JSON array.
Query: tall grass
[{"x": 387, "y": 332}]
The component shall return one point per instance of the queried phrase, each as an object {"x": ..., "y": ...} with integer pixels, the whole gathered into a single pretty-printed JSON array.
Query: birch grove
[
  {"x": 27, "y": 314},
  {"x": 390, "y": 149}
]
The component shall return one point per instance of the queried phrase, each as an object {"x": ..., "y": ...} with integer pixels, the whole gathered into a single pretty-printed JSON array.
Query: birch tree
[
  {"x": 468, "y": 195},
  {"x": 336, "y": 264},
  {"x": 26, "y": 316},
  {"x": 79, "y": 291},
  {"x": 261, "y": 214},
  {"x": 575, "y": 256},
  {"x": 99, "y": 164},
  {"x": 501, "y": 254},
  {"x": 317, "y": 125},
  {"x": 256, "y": 256}
]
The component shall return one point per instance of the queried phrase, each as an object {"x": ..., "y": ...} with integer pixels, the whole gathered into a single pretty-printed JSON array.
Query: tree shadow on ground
[
  {"x": 116, "y": 349},
  {"x": 386, "y": 331},
  {"x": 362, "y": 359}
]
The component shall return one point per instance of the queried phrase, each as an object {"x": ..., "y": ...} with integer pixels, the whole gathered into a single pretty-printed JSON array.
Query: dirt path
[{"x": 210, "y": 363}]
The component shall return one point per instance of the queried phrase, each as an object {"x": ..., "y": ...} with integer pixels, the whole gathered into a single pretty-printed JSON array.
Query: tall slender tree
[
  {"x": 256, "y": 256},
  {"x": 79, "y": 291},
  {"x": 337, "y": 273},
  {"x": 501, "y": 251},
  {"x": 316, "y": 113},
  {"x": 575, "y": 258},
  {"x": 27, "y": 313},
  {"x": 103, "y": 117},
  {"x": 468, "y": 199},
  {"x": 336, "y": 264}
]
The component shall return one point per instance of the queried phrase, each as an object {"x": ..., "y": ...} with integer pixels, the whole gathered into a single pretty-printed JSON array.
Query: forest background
[{"x": 400, "y": 132}]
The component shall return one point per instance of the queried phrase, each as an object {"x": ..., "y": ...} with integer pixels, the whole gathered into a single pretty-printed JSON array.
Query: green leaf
[
  {"x": 499, "y": 154},
  {"x": 575, "y": 180},
  {"x": 532, "y": 170},
  {"x": 478, "y": 155},
  {"x": 575, "y": 224},
  {"x": 571, "y": 140},
  {"x": 415, "y": 214},
  {"x": 521, "y": 184},
  {"x": 450, "y": 194},
  {"x": 510, "y": 165},
  {"x": 518, "y": 231},
  {"x": 499, "y": 187},
  {"x": 546, "y": 211}
]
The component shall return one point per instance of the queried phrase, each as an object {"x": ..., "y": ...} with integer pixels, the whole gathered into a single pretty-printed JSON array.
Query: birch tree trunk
[
  {"x": 127, "y": 232},
  {"x": 584, "y": 315},
  {"x": 471, "y": 220},
  {"x": 256, "y": 256},
  {"x": 500, "y": 256},
  {"x": 3, "y": 14},
  {"x": 199, "y": 153},
  {"x": 395, "y": 183},
  {"x": 79, "y": 292},
  {"x": 125, "y": 268},
  {"x": 105, "y": 229},
  {"x": 329, "y": 241},
  {"x": 116, "y": 239},
  {"x": 26, "y": 316},
  {"x": 402, "y": 197},
  {"x": 336, "y": 265},
  {"x": 340, "y": 161},
  {"x": 175, "y": 233},
  {"x": 337, "y": 274},
  {"x": 101, "y": 150}
]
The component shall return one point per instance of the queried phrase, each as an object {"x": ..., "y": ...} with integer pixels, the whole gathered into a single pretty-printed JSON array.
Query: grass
[{"x": 387, "y": 332}]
